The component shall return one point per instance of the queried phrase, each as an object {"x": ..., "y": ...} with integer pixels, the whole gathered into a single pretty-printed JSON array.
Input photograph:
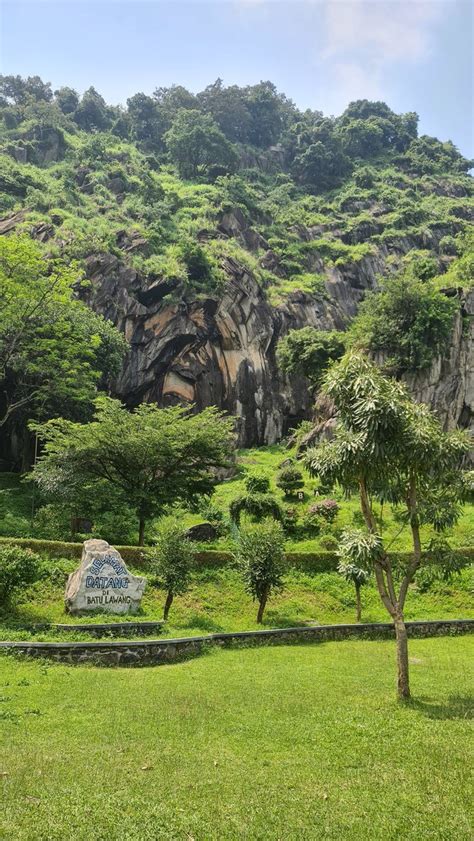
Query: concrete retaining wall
[{"x": 152, "y": 652}]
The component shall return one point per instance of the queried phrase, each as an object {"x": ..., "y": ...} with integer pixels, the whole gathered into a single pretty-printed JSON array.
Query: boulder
[
  {"x": 102, "y": 582},
  {"x": 202, "y": 532}
]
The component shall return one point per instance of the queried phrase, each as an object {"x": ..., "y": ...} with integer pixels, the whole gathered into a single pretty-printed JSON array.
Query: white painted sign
[{"x": 102, "y": 582}]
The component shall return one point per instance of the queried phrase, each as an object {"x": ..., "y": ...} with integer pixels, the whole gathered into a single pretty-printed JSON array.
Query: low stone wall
[
  {"x": 102, "y": 629},
  {"x": 153, "y": 652}
]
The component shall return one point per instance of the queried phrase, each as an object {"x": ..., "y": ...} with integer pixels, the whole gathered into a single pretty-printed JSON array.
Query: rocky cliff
[{"x": 221, "y": 350}]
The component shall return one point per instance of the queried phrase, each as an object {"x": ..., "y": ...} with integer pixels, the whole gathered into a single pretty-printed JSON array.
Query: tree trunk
[
  {"x": 141, "y": 531},
  {"x": 168, "y": 603},
  {"x": 403, "y": 685},
  {"x": 358, "y": 605},
  {"x": 261, "y": 606}
]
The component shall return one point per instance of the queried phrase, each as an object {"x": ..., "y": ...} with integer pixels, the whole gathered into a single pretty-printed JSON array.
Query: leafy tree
[
  {"x": 171, "y": 559},
  {"x": 196, "y": 144},
  {"x": 150, "y": 457},
  {"x": 322, "y": 166},
  {"x": 290, "y": 479},
  {"x": 309, "y": 351},
  {"x": 14, "y": 89},
  {"x": 147, "y": 123},
  {"x": 54, "y": 351},
  {"x": 387, "y": 447},
  {"x": 260, "y": 554},
  {"x": 92, "y": 113},
  {"x": 428, "y": 155},
  {"x": 356, "y": 575},
  {"x": 258, "y": 502},
  {"x": 409, "y": 321},
  {"x": 67, "y": 99},
  {"x": 18, "y": 569},
  {"x": 227, "y": 106},
  {"x": 265, "y": 108}
]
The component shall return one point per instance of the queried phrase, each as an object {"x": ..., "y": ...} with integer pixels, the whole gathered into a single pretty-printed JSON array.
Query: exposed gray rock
[
  {"x": 202, "y": 532},
  {"x": 221, "y": 350}
]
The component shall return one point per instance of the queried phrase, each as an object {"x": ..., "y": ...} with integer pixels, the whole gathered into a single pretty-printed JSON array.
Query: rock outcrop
[{"x": 221, "y": 350}]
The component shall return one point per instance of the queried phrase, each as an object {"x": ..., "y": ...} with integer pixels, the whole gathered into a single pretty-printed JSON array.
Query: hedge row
[{"x": 134, "y": 555}]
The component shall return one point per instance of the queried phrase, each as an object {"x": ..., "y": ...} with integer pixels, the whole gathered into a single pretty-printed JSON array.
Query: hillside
[{"x": 206, "y": 227}]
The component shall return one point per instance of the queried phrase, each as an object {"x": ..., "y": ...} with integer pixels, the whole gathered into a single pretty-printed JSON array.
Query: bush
[
  {"x": 256, "y": 505},
  {"x": 171, "y": 559},
  {"x": 327, "y": 509},
  {"x": 290, "y": 479},
  {"x": 257, "y": 484},
  {"x": 260, "y": 554},
  {"x": 18, "y": 568}
]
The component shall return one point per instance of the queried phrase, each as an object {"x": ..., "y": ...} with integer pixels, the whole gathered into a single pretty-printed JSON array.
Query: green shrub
[
  {"x": 327, "y": 509},
  {"x": 260, "y": 554},
  {"x": 290, "y": 479},
  {"x": 171, "y": 560},
  {"x": 18, "y": 569},
  {"x": 257, "y": 484}
]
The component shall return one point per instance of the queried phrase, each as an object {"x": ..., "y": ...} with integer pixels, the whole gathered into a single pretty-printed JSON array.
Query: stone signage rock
[{"x": 102, "y": 582}]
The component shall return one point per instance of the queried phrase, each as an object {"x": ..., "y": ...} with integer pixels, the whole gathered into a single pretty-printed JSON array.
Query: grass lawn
[
  {"x": 217, "y": 602},
  {"x": 304, "y": 742}
]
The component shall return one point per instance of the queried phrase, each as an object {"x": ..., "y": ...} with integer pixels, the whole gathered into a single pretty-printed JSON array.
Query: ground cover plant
[
  {"x": 286, "y": 742},
  {"x": 216, "y": 600}
]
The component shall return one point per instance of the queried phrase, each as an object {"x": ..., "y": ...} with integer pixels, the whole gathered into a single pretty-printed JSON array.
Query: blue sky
[{"x": 417, "y": 56}]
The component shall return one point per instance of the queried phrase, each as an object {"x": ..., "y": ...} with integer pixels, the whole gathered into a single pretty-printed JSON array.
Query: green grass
[
  {"x": 269, "y": 743},
  {"x": 218, "y": 602},
  {"x": 16, "y": 503}
]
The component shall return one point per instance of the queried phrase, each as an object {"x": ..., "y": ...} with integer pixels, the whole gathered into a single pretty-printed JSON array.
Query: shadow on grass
[
  {"x": 18, "y": 618},
  {"x": 201, "y": 623},
  {"x": 274, "y": 619},
  {"x": 456, "y": 707}
]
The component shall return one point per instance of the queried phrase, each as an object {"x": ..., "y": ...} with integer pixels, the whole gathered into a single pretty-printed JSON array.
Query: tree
[
  {"x": 349, "y": 546},
  {"x": 196, "y": 144},
  {"x": 91, "y": 114},
  {"x": 15, "y": 89},
  {"x": 171, "y": 558},
  {"x": 389, "y": 448},
  {"x": 290, "y": 479},
  {"x": 258, "y": 502},
  {"x": 319, "y": 168},
  {"x": 150, "y": 457},
  {"x": 67, "y": 99},
  {"x": 409, "y": 321},
  {"x": 309, "y": 351},
  {"x": 228, "y": 108},
  {"x": 54, "y": 351},
  {"x": 147, "y": 124},
  {"x": 260, "y": 554}
]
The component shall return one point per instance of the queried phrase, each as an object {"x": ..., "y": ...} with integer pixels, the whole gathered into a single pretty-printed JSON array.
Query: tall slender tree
[{"x": 389, "y": 448}]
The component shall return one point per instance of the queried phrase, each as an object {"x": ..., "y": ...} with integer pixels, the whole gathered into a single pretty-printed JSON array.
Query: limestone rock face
[
  {"x": 221, "y": 350},
  {"x": 102, "y": 582}
]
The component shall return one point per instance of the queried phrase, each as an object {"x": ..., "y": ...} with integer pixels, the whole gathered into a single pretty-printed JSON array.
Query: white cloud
[
  {"x": 389, "y": 31},
  {"x": 365, "y": 41}
]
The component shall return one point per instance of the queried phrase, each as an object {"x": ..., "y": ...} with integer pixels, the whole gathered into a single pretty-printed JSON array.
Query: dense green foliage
[
  {"x": 388, "y": 447},
  {"x": 260, "y": 553},
  {"x": 54, "y": 351},
  {"x": 409, "y": 322},
  {"x": 258, "y": 502},
  {"x": 171, "y": 560},
  {"x": 144, "y": 459},
  {"x": 169, "y": 165},
  {"x": 18, "y": 569}
]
